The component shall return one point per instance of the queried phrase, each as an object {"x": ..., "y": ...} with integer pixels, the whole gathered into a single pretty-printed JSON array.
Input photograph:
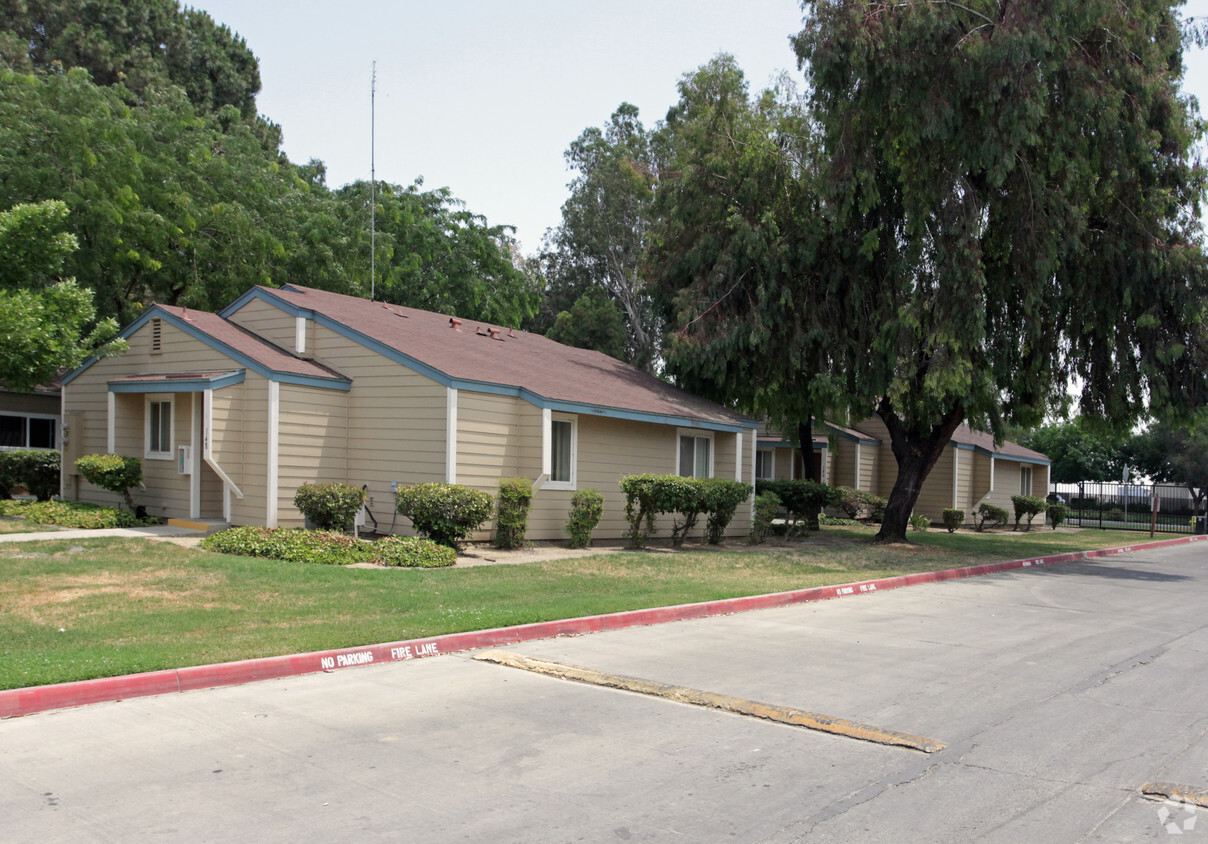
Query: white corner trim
[
  {"x": 300, "y": 335},
  {"x": 195, "y": 401},
  {"x": 274, "y": 441},
  {"x": 450, "y": 435},
  {"x": 956, "y": 474},
  {"x": 738, "y": 458},
  {"x": 547, "y": 442},
  {"x": 991, "y": 473},
  {"x": 857, "y": 483}
]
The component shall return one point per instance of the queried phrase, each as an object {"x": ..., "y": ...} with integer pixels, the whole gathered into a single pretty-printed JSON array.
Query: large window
[
  {"x": 562, "y": 453},
  {"x": 159, "y": 429},
  {"x": 695, "y": 456},
  {"x": 765, "y": 464},
  {"x": 22, "y": 431}
]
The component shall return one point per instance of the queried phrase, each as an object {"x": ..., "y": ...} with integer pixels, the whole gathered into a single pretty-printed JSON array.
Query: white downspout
[
  {"x": 207, "y": 454},
  {"x": 451, "y": 435},
  {"x": 274, "y": 439}
]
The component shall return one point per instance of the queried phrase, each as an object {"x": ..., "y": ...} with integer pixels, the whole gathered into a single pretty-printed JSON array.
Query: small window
[
  {"x": 695, "y": 456},
  {"x": 42, "y": 433},
  {"x": 159, "y": 429},
  {"x": 12, "y": 431},
  {"x": 21, "y": 431},
  {"x": 1025, "y": 480},
  {"x": 562, "y": 453},
  {"x": 765, "y": 464}
]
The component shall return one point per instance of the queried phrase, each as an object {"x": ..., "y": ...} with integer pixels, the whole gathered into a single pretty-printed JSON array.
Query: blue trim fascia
[
  {"x": 181, "y": 385},
  {"x": 822, "y": 446},
  {"x": 332, "y": 383},
  {"x": 471, "y": 385},
  {"x": 1035, "y": 461}
]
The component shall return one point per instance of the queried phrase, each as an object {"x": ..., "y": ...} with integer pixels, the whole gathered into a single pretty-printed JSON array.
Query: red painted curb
[{"x": 27, "y": 701}]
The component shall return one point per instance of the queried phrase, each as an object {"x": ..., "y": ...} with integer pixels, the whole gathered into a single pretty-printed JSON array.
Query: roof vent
[
  {"x": 494, "y": 332},
  {"x": 511, "y": 332},
  {"x": 455, "y": 323}
]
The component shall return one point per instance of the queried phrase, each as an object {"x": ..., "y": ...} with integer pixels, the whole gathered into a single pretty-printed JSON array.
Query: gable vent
[{"x": 157, "y": 335}]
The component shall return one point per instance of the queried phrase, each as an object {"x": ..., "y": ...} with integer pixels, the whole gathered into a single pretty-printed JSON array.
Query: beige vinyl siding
[
  {"x": 396, "y": 422},
  {"x": 29, "y": 403},
  {"x": 842, "y": 470},
  {"x": 784, "y": 464},
  {"x": 312, "y": 444},
  {"x": 488, "y": 445},
  {"x": 271, "y": 323},
  {"x": 964, "y": 479},
  {"x": 936, "y": 495},
  {"x": 870, "y": 457}
]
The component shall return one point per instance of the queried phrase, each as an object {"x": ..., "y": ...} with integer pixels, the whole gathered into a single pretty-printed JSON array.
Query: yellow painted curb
[
  {"x": 711, "y": 700},
  {"x": 187, "y": 524}
]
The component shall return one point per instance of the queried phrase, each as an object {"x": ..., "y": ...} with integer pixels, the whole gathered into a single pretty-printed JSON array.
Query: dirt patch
[{"x": 58, "y": 599}]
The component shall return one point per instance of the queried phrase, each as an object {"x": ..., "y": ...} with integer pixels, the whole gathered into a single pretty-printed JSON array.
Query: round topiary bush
[
  {"x": 586, "y": 509},
  {"x": 112, "y": 472},
  {"x": 444, "y": 513},
  {"x": 331, "y": 506}
]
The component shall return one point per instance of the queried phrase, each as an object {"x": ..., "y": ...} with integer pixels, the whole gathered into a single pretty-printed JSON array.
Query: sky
[{"x": 483, "y": 97}]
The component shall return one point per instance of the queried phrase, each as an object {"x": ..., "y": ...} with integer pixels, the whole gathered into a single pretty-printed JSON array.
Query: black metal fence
[{"x": 1110, "y": 506}]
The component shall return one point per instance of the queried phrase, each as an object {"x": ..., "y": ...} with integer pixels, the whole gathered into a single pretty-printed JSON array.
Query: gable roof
[
  {"x": 981, "y": 441},
  {"x": 239, "y": 344},
  {"x": 472, "y": 355}
]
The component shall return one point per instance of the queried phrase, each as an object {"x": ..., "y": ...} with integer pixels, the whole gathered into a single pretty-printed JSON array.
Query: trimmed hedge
[
  {"x": 859, "y": 504},
  {"x": 990, "y": 513},
  {"x": 330, "y": 548},
  {"x": 1057, "y": 514},
  {"x": 112, "y": 472},
  {"x": 586, "y": 510},
  {"x": 35, "y": 469},
  {"x": 1026, "y": 505},
  {"x": 802, "y": 500},
  {"x": 646, "y": 496},
  {"x": 767, "y": 506},
  {"x": 444, "y": 513},
  {"x": 331, "y": 506},
  {"x": 919, "y": 522},
  {"x": 511, "y": 519},
  {"x": 72, "y": 514},
  {"x": 953, "y": 519}
]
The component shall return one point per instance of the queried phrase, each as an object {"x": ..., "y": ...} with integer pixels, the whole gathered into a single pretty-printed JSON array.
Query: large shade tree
[
  {"x": 1005, "y": 201},
  {"x": 1175, "y": 452}
]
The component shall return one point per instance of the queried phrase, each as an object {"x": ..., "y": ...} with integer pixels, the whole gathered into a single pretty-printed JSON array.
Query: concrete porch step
[{"x": 206, "y": 526}]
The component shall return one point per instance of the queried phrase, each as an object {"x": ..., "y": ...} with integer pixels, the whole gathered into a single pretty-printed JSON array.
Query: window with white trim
[
  {"x": 765, "y": 464},
  {"x": 1025, "y": 480},
  {"x": 695, "y": 456},
  {"x": 563, "y": 452},
  {"x": 159, "y": 429},
  {"x": 23, "y": 430}
]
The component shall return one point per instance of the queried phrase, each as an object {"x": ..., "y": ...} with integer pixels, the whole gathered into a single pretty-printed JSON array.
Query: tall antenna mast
[{"x": 372, "y": 193}]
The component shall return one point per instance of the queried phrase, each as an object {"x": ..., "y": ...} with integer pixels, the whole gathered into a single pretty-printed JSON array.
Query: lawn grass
[
  {"x": 12, "y": 524},
  {"x": 79, "y": 609}
]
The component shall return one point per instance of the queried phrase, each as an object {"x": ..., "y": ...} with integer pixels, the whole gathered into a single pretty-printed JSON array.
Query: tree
[
  {"x": 593, "y": 322},
  {"x": 433, "y": 253},
  {"x": 737, "y": 233},
  {"x": 1078, "y": 453},
  {"x": 1012, "y": 203},
  {"x": 604, "y": 227},
  {"x": 141, "y": 44},
  {"x": 1175, "y": 453},
  {"x": 46, "y": 321}
]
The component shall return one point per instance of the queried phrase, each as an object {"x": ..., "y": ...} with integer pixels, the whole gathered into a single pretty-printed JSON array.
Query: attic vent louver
[{"x": 157, "y": 335}]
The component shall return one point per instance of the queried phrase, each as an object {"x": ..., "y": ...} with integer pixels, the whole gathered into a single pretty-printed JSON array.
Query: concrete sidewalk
[{"x": 149, "y": 532}]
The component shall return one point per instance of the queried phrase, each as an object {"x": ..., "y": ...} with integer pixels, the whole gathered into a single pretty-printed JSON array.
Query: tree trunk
[
  {"x": 805, "y": 441},
  {"x": 916, "y": 452}
]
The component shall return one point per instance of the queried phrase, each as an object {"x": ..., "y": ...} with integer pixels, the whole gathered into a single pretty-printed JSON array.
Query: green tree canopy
[
  {"x": 47, "y": 322},
  {"x": 1175, "y": 452},
  {"x": 1079, "y": 453},
  {"x": 601, "y": 238},
  {"x": 593, "y": 322}
]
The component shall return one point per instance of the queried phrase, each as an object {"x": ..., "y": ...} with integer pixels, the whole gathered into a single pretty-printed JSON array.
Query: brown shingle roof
[
  {"x": 980, "y": 439},
  {"x": 479, "y": 352}
]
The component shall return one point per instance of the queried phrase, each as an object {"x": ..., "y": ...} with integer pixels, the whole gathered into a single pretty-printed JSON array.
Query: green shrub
[
  {"x": 687, "y": 498},
  {"x": 72, "y": 514},
  {"x": 444, "y": 513},
  {"x": 586, "y": 510},
  {"x": 721, "y": 499},
  {"x": 328, "y": 547},
  {"x": 990, "y": 513},
  {"x": 112, "y": 472},
  {"x": 919, "y": 522},
  {"x": 953, "y": 519},
  {"x": 838, "y": 521},
  {"x": 1026, "y": 505},
  {"x": 859, "y": 504},
  {"x": 511, "y": 515},
  {"x": 331, "y": 506},
  {"x": 767, "y": 506},
  {"x": 35, "y": 469},
  {"x": 1057, "y": 514},
  {"x": 802, "y": 500}
]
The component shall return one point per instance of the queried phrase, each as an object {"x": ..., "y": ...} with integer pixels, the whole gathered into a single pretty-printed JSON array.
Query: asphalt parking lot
[{"x": 1057, "y": 692}]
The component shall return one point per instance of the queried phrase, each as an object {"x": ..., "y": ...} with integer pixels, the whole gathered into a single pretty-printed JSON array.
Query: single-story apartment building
[
  {"x": 972, "y": 469},
  {"x": 232, "y": 412}
]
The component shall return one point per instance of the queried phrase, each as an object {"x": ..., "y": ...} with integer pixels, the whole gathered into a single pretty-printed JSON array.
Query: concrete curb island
[{"x": 27, "y": 701}]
